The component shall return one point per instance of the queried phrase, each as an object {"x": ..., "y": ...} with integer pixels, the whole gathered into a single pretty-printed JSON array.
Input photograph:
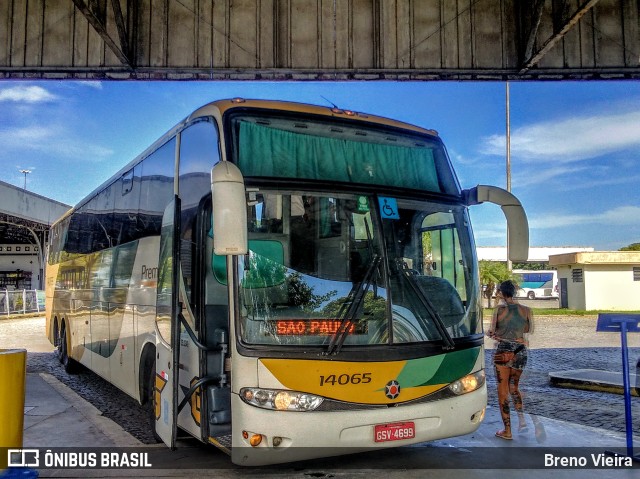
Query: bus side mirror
[
  {"x": 517, "y": 223},
  {"x": 229, "y": 210}
]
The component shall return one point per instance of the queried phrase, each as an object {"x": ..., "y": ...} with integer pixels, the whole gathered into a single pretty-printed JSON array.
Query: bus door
[
  {"x": 204, "y": 407},
  {"x": 214, "y": 333},
  {"x": 167, "y": 326}
]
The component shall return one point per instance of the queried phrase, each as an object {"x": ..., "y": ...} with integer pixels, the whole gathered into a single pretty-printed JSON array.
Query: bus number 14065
[{"x": 344, "y": 379}]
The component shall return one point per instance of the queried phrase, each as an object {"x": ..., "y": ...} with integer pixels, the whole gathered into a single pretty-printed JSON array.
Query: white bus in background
[{"x": 538, "y": 284}]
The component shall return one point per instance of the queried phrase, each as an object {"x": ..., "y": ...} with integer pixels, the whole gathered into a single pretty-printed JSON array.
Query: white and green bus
[{"x": 283, "y": 281}]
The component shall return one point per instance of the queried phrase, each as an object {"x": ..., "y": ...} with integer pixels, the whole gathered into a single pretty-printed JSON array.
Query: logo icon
[
  {"x": 392, "y": 389},
  {"x": 23, "y": 458}
]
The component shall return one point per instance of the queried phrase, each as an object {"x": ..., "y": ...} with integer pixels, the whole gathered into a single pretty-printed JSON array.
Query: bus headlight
[
  {"x": 280, "y": 400},
  {"x": 468, "y": 384}
]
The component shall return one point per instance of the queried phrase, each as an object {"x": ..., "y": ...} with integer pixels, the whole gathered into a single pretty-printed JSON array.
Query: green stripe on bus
[{"x": 441, "y": 369}]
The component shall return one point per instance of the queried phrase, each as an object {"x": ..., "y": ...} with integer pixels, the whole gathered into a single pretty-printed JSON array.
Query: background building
[
  {"x": 25, "y": 219},
  {"x": 536, "y": 254},
  {"x": 599, "y": 280}
]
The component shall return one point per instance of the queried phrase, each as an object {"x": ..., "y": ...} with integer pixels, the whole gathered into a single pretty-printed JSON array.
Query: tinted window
[
  {"x": 126, "y": 209},
  {"x": 156, "y": 188},
  {"x": 198, "y": 153}
]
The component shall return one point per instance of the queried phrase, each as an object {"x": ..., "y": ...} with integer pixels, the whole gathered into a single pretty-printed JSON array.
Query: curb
[{"x": 92, "y": 414}]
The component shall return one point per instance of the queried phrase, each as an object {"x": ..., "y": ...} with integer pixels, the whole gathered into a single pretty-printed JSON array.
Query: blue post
[
  {"x": 623, "y": 323},
  {"x": 627, "y": 388}
]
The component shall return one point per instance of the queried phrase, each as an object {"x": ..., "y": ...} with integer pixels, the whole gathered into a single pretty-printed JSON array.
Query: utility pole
[
  {"x": 508, "y": 143},
  {"x": 25, "y": 172}
]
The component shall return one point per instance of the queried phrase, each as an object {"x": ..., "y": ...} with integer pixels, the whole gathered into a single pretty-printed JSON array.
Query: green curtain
[{"x": 269, "y": 152}]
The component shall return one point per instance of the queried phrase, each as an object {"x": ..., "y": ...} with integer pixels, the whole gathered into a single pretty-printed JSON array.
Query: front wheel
[
  {"x": 150, "y": 403},
  {"x": 531, "y": 295}
]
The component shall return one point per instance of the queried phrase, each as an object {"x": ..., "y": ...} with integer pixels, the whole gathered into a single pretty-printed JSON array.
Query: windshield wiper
[
  {"x": 427, "y": 304},
  {"x": 349, "y": 308}
]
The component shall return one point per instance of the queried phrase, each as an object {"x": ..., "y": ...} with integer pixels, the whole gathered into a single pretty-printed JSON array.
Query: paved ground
[
  {"x": 62, "y": 412},
  {"x": 559, "y": 343}
]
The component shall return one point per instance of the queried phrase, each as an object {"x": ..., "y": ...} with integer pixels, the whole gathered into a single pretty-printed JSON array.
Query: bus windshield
[{"x": 380, "y": 270}]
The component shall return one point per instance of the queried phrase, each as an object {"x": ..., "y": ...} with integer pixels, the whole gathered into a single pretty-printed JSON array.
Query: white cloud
[
  {"x": 570, "y": 139},
  {"x": 96, "y": 85},
  {"x": 25, "y": 136},
  {"x": 491, "y": 234},
  {"x": 26, "y": 94},
  {"x": 53, "y": 141},
  {"x": 612, "y": 179},
  {"x": 542, "y": 175},
  {"x": 619, "y": 216}
]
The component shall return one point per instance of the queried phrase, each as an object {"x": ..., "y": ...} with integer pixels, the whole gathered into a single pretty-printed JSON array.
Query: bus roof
[{"x": 221, "y": 107}]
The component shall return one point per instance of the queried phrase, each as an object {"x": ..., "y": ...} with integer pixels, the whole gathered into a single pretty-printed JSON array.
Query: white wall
[
  {"x": 21, "y": 261},
  {"x": 604, "y": 286},
  {"x": 612, "y": 287},
  {"x": 575, "y": 291}
]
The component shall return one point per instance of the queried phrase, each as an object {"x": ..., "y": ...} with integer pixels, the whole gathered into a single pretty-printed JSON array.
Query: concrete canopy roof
[
  {"x": 22, "y": 212},
  {"x": 596, "y": 257}
]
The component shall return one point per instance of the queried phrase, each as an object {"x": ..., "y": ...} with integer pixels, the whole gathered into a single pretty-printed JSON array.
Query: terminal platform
[
  {"x": 56, "y": 417},
  {"x": 595, "y": 380}
]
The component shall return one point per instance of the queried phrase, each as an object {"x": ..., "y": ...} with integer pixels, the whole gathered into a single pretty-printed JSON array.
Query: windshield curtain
[
  {"x": 269, "y": 152},
  {"x": 319, "y": 262}
]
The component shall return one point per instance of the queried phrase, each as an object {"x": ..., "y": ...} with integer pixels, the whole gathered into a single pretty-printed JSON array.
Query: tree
[
  {"x": 492, "y": 273},
  {"x": 303, "y": 295},
  {"x": 374, "y": 308},
  {"x": 631, "y": 247}
]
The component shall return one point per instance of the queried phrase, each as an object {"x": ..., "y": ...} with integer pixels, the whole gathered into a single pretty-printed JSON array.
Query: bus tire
[
  {"x": 57, "y": 339},
  {"x": 70, "y": 365},
  {"x": 150, "y": 402},
  {"x": 531, "y": 295}
]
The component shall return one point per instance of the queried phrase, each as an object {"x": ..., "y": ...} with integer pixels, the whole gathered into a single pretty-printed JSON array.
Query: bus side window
[
  {"x": 127, "y": 202},
  {"x": 441, "y": 254}
]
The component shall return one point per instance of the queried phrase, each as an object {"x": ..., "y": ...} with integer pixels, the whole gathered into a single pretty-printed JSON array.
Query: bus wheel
[
  {"x": 150, "y": 402},
  {"x": 57, "y": 339},
  {"x": 70, "y": 366},
  {"x": 531, "y": 295}
]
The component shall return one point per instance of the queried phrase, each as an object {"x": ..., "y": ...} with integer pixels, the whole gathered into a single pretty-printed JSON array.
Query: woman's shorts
[{"x": 519, "y": 361}]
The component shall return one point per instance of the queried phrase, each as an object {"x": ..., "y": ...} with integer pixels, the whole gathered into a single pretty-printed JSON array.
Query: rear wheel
[
  {"x": 70, "y": 366},
  {"x": 57, "y": 339}
]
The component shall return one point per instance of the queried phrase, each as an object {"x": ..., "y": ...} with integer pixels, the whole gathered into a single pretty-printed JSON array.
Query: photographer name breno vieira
[{"x": 590, "y": 460}]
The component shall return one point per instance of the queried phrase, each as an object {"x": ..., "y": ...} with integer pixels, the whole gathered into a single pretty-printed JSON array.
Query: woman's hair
[{"x": 508, "y": 289}]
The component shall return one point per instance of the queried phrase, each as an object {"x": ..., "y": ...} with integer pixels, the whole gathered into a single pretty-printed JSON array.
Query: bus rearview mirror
[
  {"x": 517, "y": 223},
  {"x": 229, "y": 210}
]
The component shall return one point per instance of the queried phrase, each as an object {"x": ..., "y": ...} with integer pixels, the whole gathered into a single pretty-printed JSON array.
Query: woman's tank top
[{"x": 511, "y": 327}]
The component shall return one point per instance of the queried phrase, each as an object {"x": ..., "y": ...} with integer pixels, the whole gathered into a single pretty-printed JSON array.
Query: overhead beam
[
  {"x": 533, "y": 30},
  {"x": 120, "y": 50},
  {"x": 122, "y": 29},
  {"x": 553, "y": 40}
]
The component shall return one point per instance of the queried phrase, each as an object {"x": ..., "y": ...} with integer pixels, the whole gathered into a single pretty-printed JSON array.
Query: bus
[
  {"x": 283, "y": 281},
  {"x": 538, "y": 284}
]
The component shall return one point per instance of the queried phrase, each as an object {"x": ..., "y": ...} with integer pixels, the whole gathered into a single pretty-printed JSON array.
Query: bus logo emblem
[{"x": 392, "y": 389}]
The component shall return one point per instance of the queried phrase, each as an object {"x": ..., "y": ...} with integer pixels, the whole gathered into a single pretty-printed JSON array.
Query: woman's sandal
[{"x": 503, "y": 435}]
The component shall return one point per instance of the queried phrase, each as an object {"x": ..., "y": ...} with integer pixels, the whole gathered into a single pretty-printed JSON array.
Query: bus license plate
[{"x": 394, "y": 432}]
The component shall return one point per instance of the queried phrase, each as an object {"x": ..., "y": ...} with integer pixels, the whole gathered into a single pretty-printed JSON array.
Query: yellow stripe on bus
[{"x": 359, "y": 382}]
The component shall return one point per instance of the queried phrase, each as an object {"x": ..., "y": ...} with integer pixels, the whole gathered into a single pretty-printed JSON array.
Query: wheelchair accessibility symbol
[{"x": 388, "y": 208}]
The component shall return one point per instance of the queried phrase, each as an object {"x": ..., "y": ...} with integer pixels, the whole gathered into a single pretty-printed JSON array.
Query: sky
[{"x": 574, "y": 145}]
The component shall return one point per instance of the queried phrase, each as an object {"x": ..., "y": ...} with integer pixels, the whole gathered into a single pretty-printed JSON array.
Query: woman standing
[{"x": 511, "y": 322}]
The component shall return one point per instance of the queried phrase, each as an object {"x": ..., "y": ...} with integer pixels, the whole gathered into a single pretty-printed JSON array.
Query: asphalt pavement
[{"x": 56, "y": 416}]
